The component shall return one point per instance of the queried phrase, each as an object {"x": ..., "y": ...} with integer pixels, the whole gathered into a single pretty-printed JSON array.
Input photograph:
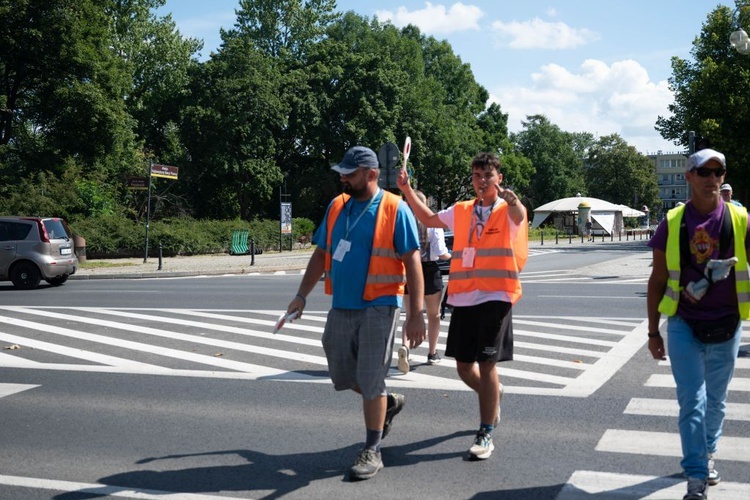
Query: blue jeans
[{"x": 702, "y": 373}]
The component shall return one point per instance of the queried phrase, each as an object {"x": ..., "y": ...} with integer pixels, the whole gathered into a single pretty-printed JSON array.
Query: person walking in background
[
  {"x": 726, "y": 195},
  {"x": 490, "y": 247},
  {"x": 432, "y": 248},
  {"x": 700, "y": 280},
  {"x": 589, "y": 234},
  {"x": 366, "y": 241}
]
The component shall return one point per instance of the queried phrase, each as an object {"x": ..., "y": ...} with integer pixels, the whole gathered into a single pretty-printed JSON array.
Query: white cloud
[
  {"x": 436, "y": 19},
  {"x": 599, "y": 98},
  {"x": 539, "y": 34}
]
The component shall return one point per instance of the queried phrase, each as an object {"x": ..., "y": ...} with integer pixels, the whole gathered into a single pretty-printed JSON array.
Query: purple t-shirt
[{"x": 704, "y": 231}]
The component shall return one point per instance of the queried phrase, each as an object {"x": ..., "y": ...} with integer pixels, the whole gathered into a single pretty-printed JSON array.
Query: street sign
[
  {"x": 388, "y": 156},
  {"x": 165, "y": 171},
  {"x": 137, "y": 183}
]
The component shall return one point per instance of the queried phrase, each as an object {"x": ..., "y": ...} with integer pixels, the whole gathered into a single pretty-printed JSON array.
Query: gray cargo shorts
[{"x": 359, "y": 346}]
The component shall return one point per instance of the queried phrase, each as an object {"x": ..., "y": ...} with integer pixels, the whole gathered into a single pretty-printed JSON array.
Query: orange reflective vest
[
  {"x": 386, "y": 274},
  {"x": 498, "y": 261}
]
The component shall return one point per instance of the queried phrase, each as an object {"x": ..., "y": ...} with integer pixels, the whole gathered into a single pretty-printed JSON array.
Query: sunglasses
[{"x": 705, "y": 171}]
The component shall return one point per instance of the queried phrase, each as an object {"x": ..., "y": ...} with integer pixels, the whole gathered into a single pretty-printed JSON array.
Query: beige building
[{"x": 670, "y": 175}]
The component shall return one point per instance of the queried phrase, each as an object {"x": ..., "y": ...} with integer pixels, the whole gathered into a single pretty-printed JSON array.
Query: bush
[{"x": 110, "y": 236}]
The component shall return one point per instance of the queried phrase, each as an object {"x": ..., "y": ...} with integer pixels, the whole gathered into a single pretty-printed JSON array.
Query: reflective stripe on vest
[
  {"x": 496, "y": 265},
  {"x": 385, "y": 273},
  {"x": 671, "y": 298}
]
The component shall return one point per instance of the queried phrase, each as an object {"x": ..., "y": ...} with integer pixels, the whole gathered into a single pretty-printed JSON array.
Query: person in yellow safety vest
[
  {"x": 700, "y": 281},
  {"x": 367, "y": 246},
  {"x": 490, "y": 247}
]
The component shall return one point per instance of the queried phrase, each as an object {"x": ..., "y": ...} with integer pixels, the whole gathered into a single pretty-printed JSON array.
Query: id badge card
[
  {"x": 467, "y": 255},
  {"x": 343, "y": 247}
]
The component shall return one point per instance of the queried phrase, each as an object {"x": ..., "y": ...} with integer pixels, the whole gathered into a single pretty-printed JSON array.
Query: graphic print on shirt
[{"x": 702, "y": 245}]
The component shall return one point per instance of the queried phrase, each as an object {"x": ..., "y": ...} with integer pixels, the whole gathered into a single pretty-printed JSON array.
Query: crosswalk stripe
[
  {"x": 666, "y": 444},
  {"x": 10, "y": 389},
  {"x": 560, "y": 326},
  {"x": 662, "y": 380},
  {"x": 71, "y": 353},
  {"x": 739, "y": 363},
  {"x": 562, "y": 338},
  {"x": 260, "y": 371},
  {"x": 99, "y": 489},
  {"x": 670, "y": 408},
  {"x": 583, "y": 485},
  {"x": 580, "y": 371}
]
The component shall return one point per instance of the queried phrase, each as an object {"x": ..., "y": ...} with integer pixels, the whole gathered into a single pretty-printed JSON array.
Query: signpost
[{"x": 156, "y": 170}]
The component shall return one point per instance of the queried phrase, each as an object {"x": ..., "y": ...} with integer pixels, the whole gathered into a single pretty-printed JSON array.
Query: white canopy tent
[{"x": 606, "y": 216}]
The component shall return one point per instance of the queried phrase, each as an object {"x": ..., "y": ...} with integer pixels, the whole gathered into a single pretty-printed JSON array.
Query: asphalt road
[{"x": 139, "y": 388}]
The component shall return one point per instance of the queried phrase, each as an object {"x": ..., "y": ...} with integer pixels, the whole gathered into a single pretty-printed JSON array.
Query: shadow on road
[{"x": 263, "y": 472}]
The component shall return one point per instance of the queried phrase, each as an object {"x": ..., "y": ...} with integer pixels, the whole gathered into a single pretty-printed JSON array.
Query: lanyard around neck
[
  {"x": 477, "y": 217},
  {"x": 346, "y": 236}
]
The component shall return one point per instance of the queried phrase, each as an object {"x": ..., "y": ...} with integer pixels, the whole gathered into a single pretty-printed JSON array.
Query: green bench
[{"x": 239, "y": 242}]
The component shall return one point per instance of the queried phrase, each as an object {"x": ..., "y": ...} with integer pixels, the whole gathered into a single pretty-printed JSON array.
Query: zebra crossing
[
  {"x": 556, "y": 356},
  {"x": 734, "y": 446}
]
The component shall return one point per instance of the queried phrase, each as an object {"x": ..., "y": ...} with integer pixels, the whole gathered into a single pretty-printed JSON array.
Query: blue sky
[{"x": 595, "y": 66}]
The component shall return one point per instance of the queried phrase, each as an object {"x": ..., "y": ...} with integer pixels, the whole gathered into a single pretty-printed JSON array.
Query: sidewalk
[{"x": 637, "y": 262}]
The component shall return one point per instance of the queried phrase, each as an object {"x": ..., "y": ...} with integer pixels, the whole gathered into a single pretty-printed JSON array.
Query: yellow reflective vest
[
  {"x": 738, "y": 216},
  {"x": 386, "y": 273}
]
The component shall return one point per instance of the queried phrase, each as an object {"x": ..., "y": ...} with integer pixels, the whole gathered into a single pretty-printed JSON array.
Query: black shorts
[
  {"x": 433, "y": 279},
  {"x": 481, "y": 333}
]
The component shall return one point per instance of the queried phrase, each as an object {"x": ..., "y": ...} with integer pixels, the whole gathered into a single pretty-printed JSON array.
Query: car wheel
[
  {"x": 59, "y": 280},
  {"x": 25, "y": 276}
]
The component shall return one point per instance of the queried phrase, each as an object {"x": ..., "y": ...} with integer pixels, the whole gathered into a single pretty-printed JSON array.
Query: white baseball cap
[{"x": 700, "y": 158}]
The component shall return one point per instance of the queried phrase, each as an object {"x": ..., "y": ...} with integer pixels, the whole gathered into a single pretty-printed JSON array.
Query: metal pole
[
  {"x": 159, "y": 268},
  {"x": 148, "y": 211},
  {"x": 280, "y": 216}
]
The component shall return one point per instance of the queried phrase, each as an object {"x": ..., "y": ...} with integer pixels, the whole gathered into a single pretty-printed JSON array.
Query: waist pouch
[{"x": 715, "y": 330}]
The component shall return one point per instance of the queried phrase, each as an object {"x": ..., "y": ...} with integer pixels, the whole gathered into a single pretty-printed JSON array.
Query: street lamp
[{"x": 739, "y": 39}]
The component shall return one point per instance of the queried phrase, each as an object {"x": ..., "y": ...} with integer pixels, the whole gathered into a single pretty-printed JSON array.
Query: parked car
[
  {"x": 34, "y": 249},
  {"x": 445, "y": 265}
]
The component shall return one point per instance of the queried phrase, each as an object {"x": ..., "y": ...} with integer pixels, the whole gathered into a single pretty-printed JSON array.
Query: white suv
[{"x": 34, "y": 249}]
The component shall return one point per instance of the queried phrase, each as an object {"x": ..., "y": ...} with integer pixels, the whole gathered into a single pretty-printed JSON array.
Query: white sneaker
[
  {"x": 482, "y": 447},
  {"x": 403, "y": 359},
  {"x": 713, "y": 475}
]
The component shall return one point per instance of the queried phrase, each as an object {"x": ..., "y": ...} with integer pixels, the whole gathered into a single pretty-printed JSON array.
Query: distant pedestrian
[
  {"x": 432, "y": 248},
  {"x": 700, "y": 280},
  {"x": 366, "y": 245},
  {"x": 589, "y": 234},
  {"x": 726, "y": 195},
  {"x": 490, "y": 247}
]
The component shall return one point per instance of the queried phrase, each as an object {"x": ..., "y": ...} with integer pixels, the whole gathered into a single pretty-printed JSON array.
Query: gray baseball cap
[{"x": 357, "y": 157}]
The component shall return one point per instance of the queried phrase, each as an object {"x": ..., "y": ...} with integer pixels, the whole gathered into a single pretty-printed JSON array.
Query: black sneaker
[
  {"x": 696, "y": 489},
  {"x": 395, "y": 405},
  {"x": 368, "y": 464},
  {"x": 433, "y": 359}
]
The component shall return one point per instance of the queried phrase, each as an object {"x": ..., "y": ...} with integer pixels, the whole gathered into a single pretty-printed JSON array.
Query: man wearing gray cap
[
  {"x": 699, "y": 279},
  {"x": 367, "y": 247},
  {"x": 726, "y": 194}
]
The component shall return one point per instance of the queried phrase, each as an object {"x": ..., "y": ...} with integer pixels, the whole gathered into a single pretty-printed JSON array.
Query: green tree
[
  {"x": 618, "y": 173},
  {"x": 711, "y": 95},
  {"x": 558, "y": 167}
]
